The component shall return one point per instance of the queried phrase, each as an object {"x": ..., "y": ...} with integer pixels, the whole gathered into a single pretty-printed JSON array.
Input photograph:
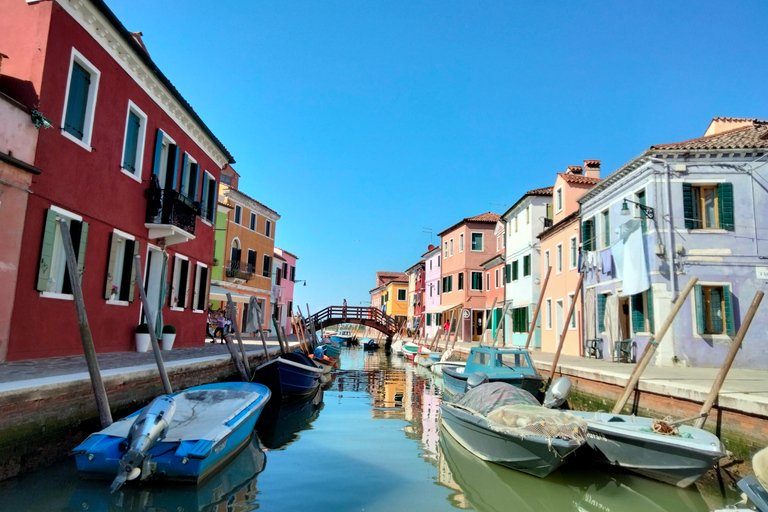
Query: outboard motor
[
  {"x": 149, "y": 428},
  {"x": 557, "y": 393},
  {"x": 475, "y": 379}
]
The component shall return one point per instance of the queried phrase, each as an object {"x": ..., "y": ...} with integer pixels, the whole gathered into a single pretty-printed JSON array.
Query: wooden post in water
[
  {"x": 102, "y": 403},
  {"x": 565, "y": 330},
  {"x": 487, "y": 319},
  {"x": 151, "y": 325},
  {"x": 729, "y": 359},
  {"x": 233, "y": 317},
  {"x": 538, "y": 307},
  {"x": 650, "y": 348},
  {"x": 311, "y": 328},
  {"x": 261, "y": 331},
  {"x": 503, "y": 324}
]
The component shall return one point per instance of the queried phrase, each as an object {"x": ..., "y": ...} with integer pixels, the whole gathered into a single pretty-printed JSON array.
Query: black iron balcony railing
[
  {"x": 171, "y": 208},
  {"x": 240, "y": 269}
]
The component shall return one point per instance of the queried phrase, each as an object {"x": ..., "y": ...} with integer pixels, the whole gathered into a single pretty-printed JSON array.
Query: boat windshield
[
  {"x": 482, "y": 358},
  {"x": 514, "y": 360}
]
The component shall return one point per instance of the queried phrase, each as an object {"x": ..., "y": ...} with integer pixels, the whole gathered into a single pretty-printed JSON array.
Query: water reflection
[{"x": 280, "y": 423}]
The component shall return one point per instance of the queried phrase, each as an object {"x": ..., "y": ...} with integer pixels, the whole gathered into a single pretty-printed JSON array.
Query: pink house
[{"x": 285, "y": 281}]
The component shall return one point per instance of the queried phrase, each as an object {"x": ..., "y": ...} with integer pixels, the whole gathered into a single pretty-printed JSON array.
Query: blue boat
[
  {"x": 291, "y": 375},
  {"x": 511, "y": 365},
  {"x": 369, "y": 344},
  {"x": 331, "y": 350},
  {"x": 185, "y": 436}
]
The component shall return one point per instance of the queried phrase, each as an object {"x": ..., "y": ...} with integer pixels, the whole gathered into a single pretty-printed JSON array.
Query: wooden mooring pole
[
  {"x": 538, "y": 307},
  {"x": 566, "y": 324},
  {"x": 233, "y": 318},
  {"x": 260, "y": 325},
  {"x": 650, "y": 348},
  {"x": 729, "y": 359},
  {"x": 102, "y": 403}
]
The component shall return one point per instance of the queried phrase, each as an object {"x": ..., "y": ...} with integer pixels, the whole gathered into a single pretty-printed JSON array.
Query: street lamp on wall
[{"x": 647, "y": 210}]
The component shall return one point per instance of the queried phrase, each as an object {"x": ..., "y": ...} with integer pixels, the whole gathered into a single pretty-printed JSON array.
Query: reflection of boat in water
[
  {"x": 236, "y": 482},
  {"x": 280, "y": 423},
  {"x": 493, "y": 488}
]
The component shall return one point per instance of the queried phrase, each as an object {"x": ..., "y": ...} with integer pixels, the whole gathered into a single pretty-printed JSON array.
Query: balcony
[
  {"x": 239, "y": 270},
  {"x": 170, "y": 215}
]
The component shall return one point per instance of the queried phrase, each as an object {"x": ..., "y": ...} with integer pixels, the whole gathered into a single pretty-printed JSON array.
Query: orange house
[{"x": 560, "y": 250}]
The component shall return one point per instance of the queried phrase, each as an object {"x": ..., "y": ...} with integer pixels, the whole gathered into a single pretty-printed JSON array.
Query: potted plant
[
  {"x": 169, "y": 336},
  {"x": 142, "y": 338}
]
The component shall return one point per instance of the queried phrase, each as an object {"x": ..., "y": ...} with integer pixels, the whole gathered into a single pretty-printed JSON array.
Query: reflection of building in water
[
  {"x": 243, "y": 501},
  {"x": 387, "y": 390},
  {"x": 430, "y": 420},
  {"x": 445, "y": 478}
]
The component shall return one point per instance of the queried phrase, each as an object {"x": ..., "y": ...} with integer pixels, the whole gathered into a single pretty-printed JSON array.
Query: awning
[
  {"x": 440, "y": 309},
  {"x": 220, "y": 293}
]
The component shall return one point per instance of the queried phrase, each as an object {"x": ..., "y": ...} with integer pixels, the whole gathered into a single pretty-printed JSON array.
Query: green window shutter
[
  {"x": 525, "y": 324},
  {"x": 698, "y": 294},
  {"x": 507, "y": 272},
  {"x": 730, "y": 325},
  {"x": 183, "y": 173},
  {"x": 132, "y": 284},
  {"x": 81, "y": 250},
  {"x": 131, "y": 142},
  {"x": 429, "y": 319},
  {"x": 158, "y": 153},
  {"x": 526, "y": 265},
  {"x": 638, "y": 319},
  {"x": 450, "y": 283},
  {"x": 587, "y": 234},
  {"x": 725, "y": 200},
  {"x": 601, "y": 313},
  {"x": 46, "y": 251},
  {"x": 195, "y": 180},
  {"x": 79, "y": 84},
  {"x": 549, "y": 211},
  {"x": 690, "y": 222},
  {"x": 114, "y": 246},
  {"x": 649, "y": 295},
  {"x": 212, "y": 192},
  {"x": 514, "y": 270}
]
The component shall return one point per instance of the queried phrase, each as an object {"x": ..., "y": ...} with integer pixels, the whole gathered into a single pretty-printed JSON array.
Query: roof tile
[
  {"x": 747, "y": 137},
  {"x": 579, "y": 179}
]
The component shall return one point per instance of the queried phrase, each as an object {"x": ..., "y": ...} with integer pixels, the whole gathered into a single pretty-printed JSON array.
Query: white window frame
[
  {"x": 548, "y": 310},
  {"x": 559, "y": 199},
  {"x": 547, "y": 261},
  {"x": 482, "y": 241},
  {"x": 237, "y": 214},
  {"x": 572, "y": 323},
  {"x": 140, "y": 140},
  {"x": 211, "y": 183},
  {"x": 498, "y": 243},
  {"x": 90, "y": 107},
  {"x": 450, "y": 246},
  {"x": 516, "y": 216},
  {"x": 59, "y": 252},
  {"x": 398, "y": 295},
  {"x": 472, "y": 281},
  {"x": 487, "y": 280},
  {"x": 175, "y": 280},
  {"x": 559, "y": 258},
  {"x": 461, "y": 242},
  {"x": 253, "y": 221},
  {"x": 604, "y": 229},
  {"x": 268, "y": 231},
  {"x": 197, "y": 290},
  {"x": 445, "y": 249},
  {"x": 573, "y": 253},
  {"x": 496, "y": 279},
  {"x": 120, "y": 263},
  {"x": 528, "y": 214}
]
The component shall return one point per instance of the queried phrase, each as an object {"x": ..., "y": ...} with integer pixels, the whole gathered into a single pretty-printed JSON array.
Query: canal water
[{"x": 370, "y": 441}]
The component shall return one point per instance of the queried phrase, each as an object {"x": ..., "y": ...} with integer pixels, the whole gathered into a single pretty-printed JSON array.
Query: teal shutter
[
  {"x": 698, "y": 294},
  {"x": 183, "y": 174},
  {"x": 204, "y": 198},
  {"x": 158, "y": 153},
  {"x": 587, "y": 234},
  {"x": 507, "y": 273},
  {"x": 131, "y": 142},
  {"x": 725, "y": 200},
  {"x": 81, "y": 250},
  {"x": 46, "y": 251},
  {"x": 690, "y": 221},
  {"x": 601, "y": 298},
  {"x": 79, "y": 83},
  {"x": 514, "y": 270},
  {"x": 730, "y": 326},
  {"x": 649, "y": 296},
  {"x": 194, "y": 180},
  {"x": 212, "y": 194},
  {"x": 638, "y": 319},
  {"x": 132, "y": 284}
]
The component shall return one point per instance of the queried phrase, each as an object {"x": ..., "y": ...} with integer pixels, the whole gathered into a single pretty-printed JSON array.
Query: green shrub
[
  {"x": 169, "y": 329},
  {"x": 142, "y": 329}
]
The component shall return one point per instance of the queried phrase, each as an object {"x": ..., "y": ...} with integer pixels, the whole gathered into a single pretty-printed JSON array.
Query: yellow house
[{"x": 395, "y": 297}]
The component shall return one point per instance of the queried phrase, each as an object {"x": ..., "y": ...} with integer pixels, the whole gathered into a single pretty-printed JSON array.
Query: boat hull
[
  {"x": 617, "y": 440},
  {"x": 331, "y": 351},
  {"x": 531, "y": 454},
  {"x": 455, "y": 380},
  {"x": 290, "y": 375},
  {"x": 189, "y": 458}
]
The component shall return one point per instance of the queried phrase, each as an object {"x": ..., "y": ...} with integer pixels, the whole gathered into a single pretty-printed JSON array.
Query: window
[
  {"x": 226, "y": 180},
  {"x": 516, "y": 216},
  {"x": 251, "y": 268},
  {"x": 430, "y": 264},
  {"x": 572, "y": 323},
  {"x": 549, "y": 215},
  {"x": 601, "y": 299},
  {"x": 285, "y": 270},
  {"x": 234, "y": 258},
  {"x": 165, "y": 161},
  {"x": 438, "y": 260},
  {"x": 520, "y": 320},
  {"x": 477, "y": 281},
  {"x": 445, "y": 249},
  {"x": 80, "y": 100},
  {"x": 133, "y": 145},
  {"x": 278, "y": 276},
  {"x": 268, "y": 229},
  {"x": 588, "y": 234},
  {"x": 526, "y": 265},
  {"x": 52, "y": 273},
  {"x": 605, "y": 225},
  {"x": 708, "y": 206},
  {"x": 487, "y": 280},
  {"x": 498, "y": 243},
  {"x": 290, "y": 308},
  {"x": 515, "y": 267},
  {"x": 438, "y": 288},
  {"x": 429, "y": 315},
  {"x": 642, "y": 312},
  {"x": 252, "y": 224},
  {"x": 447, "y": 285},
  {"x": 201, "y": 287},
  {"x": 549, "y": 314},
  {"x": 208, "y": 198},
  {"x": 528, "y": 215},
  {"x": 714, "y": 310},
  {"x": 121, "y": 275},
  {"x": 190, "y": 172},
  {"x": 266, "y": 270},
  {"x": 450, "y": 247},
  {"x": 573, "y": 253},
  {"x": 640, "y": 198},
  {"x": 559, "y": 260},
  {"x": 496, "y": 278},
  {"x": 558, "y": 200},
  {"x": 461, "y": 242},
  {"x": 508, "y": 273},
  {"x": 477, "y": 242},
  {"x": 179, "y": 296},
  {"x": 401, "y": 294},
  {"x": 547, "y": 263},
  {"x": 238, "y": 214},
  {"x": 461, "y": 281},
  {"x": 293, "y": 274}
]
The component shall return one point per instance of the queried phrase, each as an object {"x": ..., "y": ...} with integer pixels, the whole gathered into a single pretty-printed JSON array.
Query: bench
[
  {"x": 622, "y": 351},
  {"x": 592, "y": 347}
]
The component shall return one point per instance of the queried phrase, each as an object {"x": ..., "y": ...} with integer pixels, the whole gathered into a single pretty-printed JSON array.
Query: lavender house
[{"x": 693, "y": 208}]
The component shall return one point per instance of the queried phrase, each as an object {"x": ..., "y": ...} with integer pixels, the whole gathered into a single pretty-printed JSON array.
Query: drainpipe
[{"x": 670, "y": 239}]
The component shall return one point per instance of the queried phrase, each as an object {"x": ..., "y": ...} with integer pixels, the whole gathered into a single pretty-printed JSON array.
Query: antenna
[
  {"x": 427, "y": 231},
  {"x": 500, "y": 204}
]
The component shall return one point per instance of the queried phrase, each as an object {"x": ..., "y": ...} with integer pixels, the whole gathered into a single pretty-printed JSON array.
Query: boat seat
[{"x": 622, "y": 351}]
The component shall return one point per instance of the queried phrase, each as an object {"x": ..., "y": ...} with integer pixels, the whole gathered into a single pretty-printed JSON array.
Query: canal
[{"x": 370, "y": 441}]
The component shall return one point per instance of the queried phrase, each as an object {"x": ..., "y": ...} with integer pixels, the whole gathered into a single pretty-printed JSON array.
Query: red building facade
[{"x": 128, "y": 164}]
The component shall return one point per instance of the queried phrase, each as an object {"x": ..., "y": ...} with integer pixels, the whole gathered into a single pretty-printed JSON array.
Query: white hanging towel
[{"x": 629, "y": 256}]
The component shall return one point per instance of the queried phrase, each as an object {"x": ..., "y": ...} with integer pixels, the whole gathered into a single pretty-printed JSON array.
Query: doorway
[
  {"x": 154, "y": 283},
  {"x": 624, "y": 330},
  {"x": 477, "y": 324}
]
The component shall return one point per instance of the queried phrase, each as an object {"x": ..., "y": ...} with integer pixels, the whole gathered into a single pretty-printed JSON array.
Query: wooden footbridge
[{"x": 369, "y": 317}]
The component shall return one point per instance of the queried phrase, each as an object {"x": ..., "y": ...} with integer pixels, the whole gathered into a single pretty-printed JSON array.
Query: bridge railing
[{"x": 352, "y": 313}]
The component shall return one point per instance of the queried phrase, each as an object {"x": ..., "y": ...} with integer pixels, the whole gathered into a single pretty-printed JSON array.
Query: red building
[{"x": 128, "y": 163}]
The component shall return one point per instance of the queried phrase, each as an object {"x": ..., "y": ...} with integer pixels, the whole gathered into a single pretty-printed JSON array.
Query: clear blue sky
[{"x": 362, "y": 122}]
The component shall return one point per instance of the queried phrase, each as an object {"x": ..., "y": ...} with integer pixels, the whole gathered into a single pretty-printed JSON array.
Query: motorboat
[
  {"x": 505, "y": 424},
  {"x": 289, "y": 375},
  {"x": 679, "y": 455},
  {"x": 511, "y": 365},
  {"x": 369, "y": 344},
  {"x": 331, "y": 350},
  {"x": 184, "y": 436},
  {"x": 410, "y": 350},
  {"x": 343, "y": 337}
]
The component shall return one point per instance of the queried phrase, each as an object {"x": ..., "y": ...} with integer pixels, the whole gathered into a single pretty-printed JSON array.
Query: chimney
[
  {"x": 574, "y": 169},
  {"x": 592, "y": 168},
  {"x": 2, "y": 56}
]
